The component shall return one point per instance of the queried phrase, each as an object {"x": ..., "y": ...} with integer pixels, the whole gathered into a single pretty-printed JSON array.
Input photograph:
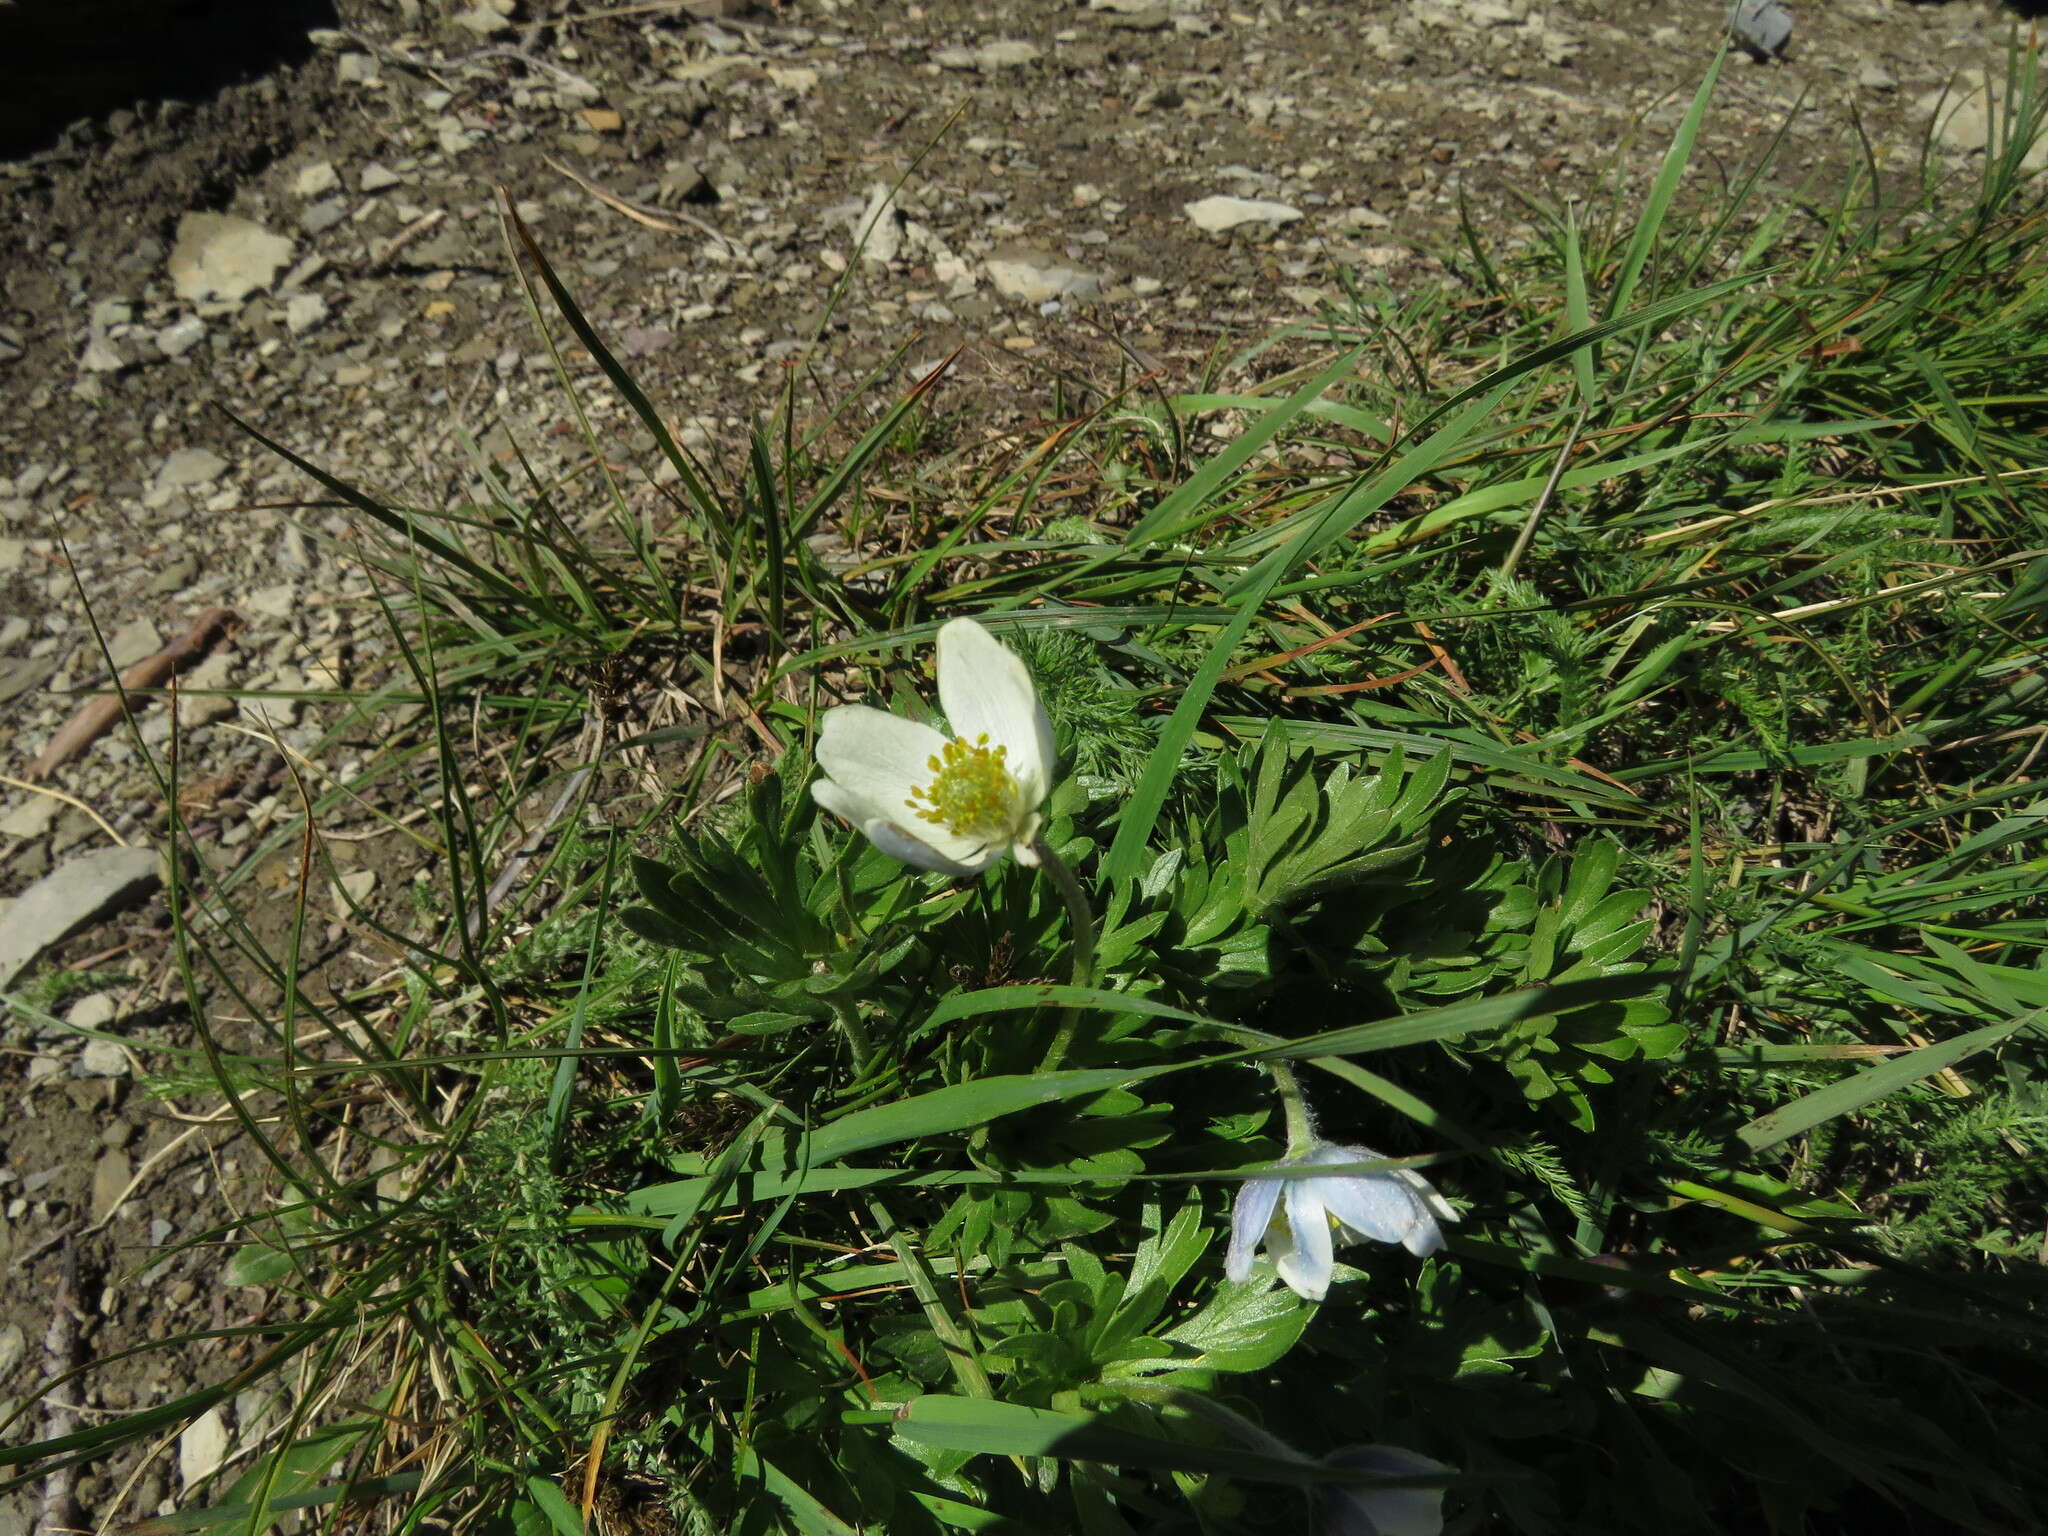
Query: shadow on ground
[{"x": 61, "y": 60}]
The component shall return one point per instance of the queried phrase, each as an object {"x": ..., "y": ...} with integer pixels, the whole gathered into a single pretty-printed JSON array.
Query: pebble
[
  {"x": 989, "y": 57},
  {"x": 110, "y": 1176},
  {"x": 876, "y": 229},
  {"x": 220, "y": 257},
  {"x": 199, "y": 701},
  {"x": 181, "y": 336},
  {"x": 304, "y": 312},
  {"x": 1966, "y": 114},
  {"x": 316, "y": 179},
  {"x": 1218, "y": 214},
  {"x": 96, "y": 1010},
  {"x": 375, "y": 178},
  {"x": 102, "y": 356},
  {"x": 133, "y": 641},
  {"x": 1040, "y": 282},
  {"x": 203, "y": 1447},
  {"x": 79, "y": 891},
  {"x": 189, "y": 467},
  {"x": 102, "y": 1058},
  {"x": 43, "y": 1068},
  {"x": 1761, "y": 26},
  {"x": 30, "y": 819},
  {"x": 353, "y": 889},
  {"x": 274, "y": 602}
]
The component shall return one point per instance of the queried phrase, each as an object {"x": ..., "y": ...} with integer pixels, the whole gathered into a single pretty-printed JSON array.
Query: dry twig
[{"x": 98, "y": 716}]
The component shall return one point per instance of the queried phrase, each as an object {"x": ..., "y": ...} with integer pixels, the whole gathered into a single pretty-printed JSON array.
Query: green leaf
[
  {"x": 257, "y": 1264},
  {"x": 1874, "y": 1083},
  {"x": 552, "y": 1502},
  {"x": 1242, "y": 1327},
  {"x": 956, "y": 1107},
  {"x": 1010, "y": 1429},
  {"x": 968, "y": 1005},
  {"x": 365, "y": 1489}
]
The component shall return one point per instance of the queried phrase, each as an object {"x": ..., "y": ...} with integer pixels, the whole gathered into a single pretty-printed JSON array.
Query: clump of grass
[{"x": 1590, "y": 734}]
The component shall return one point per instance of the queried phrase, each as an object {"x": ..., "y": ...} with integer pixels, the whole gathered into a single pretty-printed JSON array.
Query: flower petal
[
  {"x": 1023, "y": 845},
  {"x": 872, "y": 760},
  {"x": 1383, "y": 1208},
  {"x": 876, "y": 758},
  {"x": 1249, "y": 1219},
  {"x": 1307, "y": 1269},
  {"x": 936, "y": 854},
  {"x": 1439, "y": 1207},
  {"x": 984, "y": 686},
  {"x": 1385, "y": 1511}
]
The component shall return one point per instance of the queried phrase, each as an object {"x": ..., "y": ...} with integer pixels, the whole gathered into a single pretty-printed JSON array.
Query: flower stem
[
  {"x": 1081, "y": 920},
  {"x": 1301, "y": 1126},
  {"x": 847, "y": 1016}
]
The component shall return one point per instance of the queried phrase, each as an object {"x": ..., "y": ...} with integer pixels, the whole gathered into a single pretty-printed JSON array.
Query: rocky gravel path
[{"x": 320, "y": 251}]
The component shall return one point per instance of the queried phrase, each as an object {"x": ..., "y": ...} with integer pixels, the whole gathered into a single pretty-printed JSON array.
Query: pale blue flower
[
  {"x": 1383, "y": 1511},
  {"x": 1299, "y": 1218}
]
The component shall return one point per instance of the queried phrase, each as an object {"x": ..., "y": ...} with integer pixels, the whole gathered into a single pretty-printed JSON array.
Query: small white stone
[
  {"x": 353, "y": 889},
  {"x": 303, "y": 312},
  {"x": 1007, "y": 54},
  {"x": 1970, "y": 116},
  {"x": 1041, "y": 282},
  {"x": 95, "y": 1011},
  {"x": 32, "y": 818},
  {"x": 315, "y": 179},
  {"x": 103, "y": 1058},
  {"x": 133, "y": 641},
  {"x": 219, "y": 257},
  {"x": 181, "y": 336},
  {"x": 876, "y": 225},
  {"x": 189, "y": 467},
  {"x": 1218, "y": 214},
  {"x": 102, "y": 356},
  {"x": 72, "y": 895},
  {"x": 274, "y": 602},
  {"x": 202, "y": 1447},
  {"x": 199, "y": 702}
]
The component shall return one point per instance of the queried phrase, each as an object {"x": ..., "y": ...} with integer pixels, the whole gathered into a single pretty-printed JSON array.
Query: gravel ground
[{"x": 319, "y": 250}]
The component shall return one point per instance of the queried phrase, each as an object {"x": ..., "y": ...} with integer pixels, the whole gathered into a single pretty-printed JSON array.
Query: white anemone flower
[
  {"x": 953, "y": 804},
  {"x": 1358, "y": 1511},
  {"x": 1300, "y": 1217}
]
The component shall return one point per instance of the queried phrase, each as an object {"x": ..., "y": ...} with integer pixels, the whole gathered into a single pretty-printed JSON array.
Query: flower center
[{"x": 972, "y": 792}]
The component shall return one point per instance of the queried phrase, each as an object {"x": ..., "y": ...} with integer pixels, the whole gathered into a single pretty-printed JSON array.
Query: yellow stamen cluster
[{"x": 972, "y": 792}]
